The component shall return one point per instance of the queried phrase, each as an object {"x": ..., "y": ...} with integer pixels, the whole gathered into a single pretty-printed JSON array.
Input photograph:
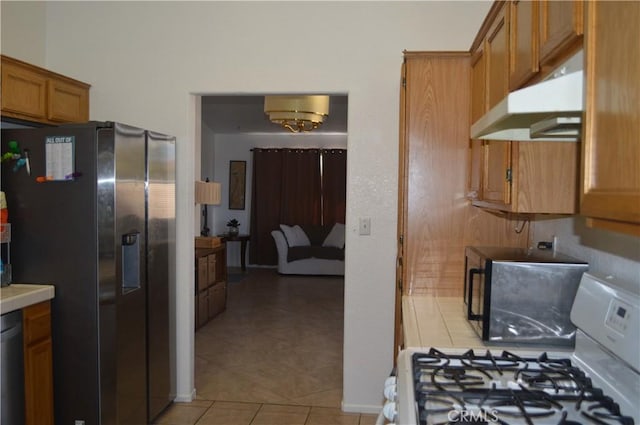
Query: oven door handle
[{"x": 470, "y": 314}]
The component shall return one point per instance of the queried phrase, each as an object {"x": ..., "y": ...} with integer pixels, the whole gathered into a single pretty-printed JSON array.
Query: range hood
[{"x": 550, "y": 110}]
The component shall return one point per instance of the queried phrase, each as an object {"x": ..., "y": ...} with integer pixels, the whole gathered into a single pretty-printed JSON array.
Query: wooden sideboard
[{"x": 211, "y": 283}]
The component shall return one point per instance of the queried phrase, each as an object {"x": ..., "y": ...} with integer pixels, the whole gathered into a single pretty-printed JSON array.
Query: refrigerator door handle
[{"x": 130, "y": 262}]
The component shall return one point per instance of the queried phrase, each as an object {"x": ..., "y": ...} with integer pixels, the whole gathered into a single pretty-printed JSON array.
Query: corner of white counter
[{"x": 21, "y": 295}]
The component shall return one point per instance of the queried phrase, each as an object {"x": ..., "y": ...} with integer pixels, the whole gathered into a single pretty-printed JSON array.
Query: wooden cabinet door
[
  {"x": 478, "y": 108},
  {"x": 497, "y": 155},
  {"x": 38, "y": 366},
  {"x": 202, "y": 315},
  {"x": 497, "y": 56},
  {"x": 211, "y": 269},
  {"x": 496, "y": 182},
  {"x": 217, "y": 299},
  {"x": 523, "y": 42},
  {"x": 544, "y": 177},
  {"x": 398, "y": 343},
  {"x": 435, "y": 156},
  {"x": 24, "y": 92},
  {"x": 478, "y": 85},
  {"x": 67, "y": 102},
  {"x": 611, "y": 143},
  {"x": 561, "y": 25},
  {"x": 202, "y": 273},
  {"x": 39, "y": 378}
]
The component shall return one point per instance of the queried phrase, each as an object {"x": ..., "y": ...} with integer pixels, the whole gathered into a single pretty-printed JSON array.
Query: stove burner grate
[{"x": 507, "y": 389}]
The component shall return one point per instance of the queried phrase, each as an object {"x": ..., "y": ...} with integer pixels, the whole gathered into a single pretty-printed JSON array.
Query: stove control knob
[
  {"x": 390, "y": 410},
  {"x": 390, "y": 392}
]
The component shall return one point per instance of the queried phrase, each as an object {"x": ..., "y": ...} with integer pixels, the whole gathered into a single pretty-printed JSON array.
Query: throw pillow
[
  {"x": 335, "y": 237},
  {"x": 294, "y": 235}
]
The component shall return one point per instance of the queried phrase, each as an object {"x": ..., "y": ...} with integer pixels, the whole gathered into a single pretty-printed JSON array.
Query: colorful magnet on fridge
[{"x": 19, "y": 164}]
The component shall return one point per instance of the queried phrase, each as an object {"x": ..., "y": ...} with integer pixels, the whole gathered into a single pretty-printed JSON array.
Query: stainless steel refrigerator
[{"x": 93, "y": 213}]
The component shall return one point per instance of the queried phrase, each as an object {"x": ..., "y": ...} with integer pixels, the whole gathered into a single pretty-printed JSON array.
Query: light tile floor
[{"x": 273, "y": 357}]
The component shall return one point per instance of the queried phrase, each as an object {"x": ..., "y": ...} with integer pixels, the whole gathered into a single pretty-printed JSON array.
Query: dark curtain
[
  {"x": 334, "y": 186},
  {"x": 286, "y": 190},
  {"x": 301, "y": 193},
  {"x": 265, "y": 204}
]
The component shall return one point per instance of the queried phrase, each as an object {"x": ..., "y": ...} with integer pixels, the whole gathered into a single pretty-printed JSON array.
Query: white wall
[
  {"x": 146, "y": 59},
  {"x": 228, "y": 147},
  {"x": 24, "y": 27},
  {"x": 607, "y": 253}
]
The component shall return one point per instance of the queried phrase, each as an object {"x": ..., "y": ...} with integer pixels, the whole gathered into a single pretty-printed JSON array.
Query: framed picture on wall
[{"x": 237, "y": 184}]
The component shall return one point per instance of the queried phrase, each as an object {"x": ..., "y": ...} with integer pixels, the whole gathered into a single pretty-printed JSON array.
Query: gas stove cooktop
[
  {"x": 507, "y": 388},
  {"x": 598, "y": 383}
]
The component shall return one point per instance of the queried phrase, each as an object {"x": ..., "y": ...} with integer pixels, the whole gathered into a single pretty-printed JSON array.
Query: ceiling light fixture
[{"x": 297, "y": 113}]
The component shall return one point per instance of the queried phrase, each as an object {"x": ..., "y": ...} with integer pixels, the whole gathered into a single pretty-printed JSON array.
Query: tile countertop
[
  {"x": 440, "y": 322},
  {"x": 17, "y": 296},
  {"x": 430, "y": 321}
]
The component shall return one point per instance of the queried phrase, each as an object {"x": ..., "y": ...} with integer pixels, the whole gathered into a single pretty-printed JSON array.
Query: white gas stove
[{"x": 598, "y": 383}]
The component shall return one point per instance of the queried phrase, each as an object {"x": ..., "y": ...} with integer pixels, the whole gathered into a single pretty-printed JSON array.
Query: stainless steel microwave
[{"x": 521, "y": 296}]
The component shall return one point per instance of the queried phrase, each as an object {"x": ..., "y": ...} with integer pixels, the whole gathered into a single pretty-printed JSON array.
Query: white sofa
[{"x": 311, "y": 265}]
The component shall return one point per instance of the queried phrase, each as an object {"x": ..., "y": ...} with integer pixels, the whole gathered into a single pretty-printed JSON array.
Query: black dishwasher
[{"x": 12, "y": 372}]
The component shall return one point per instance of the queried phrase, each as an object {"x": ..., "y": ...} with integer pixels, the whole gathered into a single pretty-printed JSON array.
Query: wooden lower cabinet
[
  {"x": 38, "y": 366},
  {"x": 217, "y": 298},
  {"x": 211, "y": 284}
]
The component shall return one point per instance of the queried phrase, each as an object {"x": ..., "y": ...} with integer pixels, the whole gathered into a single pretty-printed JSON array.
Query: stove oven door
[{"x": 475, "y": 290}]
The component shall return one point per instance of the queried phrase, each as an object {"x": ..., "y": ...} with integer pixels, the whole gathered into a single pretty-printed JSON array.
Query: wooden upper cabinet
[
  {"x": 530, "y": 177},
  {"x": 496, "y": 177},
  {"x": 523, "y": 42},
  {"x": 561, "y": 26},
  {"x": 611, "y": 175},
  {"x": 518, "y": 177},
  {"x": 34, "y": 94},
  {"x": 541, "y": 35},
  {"x": 496, "y": 156},
  {"x": 67, "y": 102},
  {"x": 478, "y": 85},
  {"x": 478, "y": 108},
  {"x": 24, "y": 92},
  {"x": 496, "y": 52}
]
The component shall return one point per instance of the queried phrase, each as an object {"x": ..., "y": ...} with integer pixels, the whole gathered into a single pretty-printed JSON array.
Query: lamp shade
[
  {"x": 208, "y": 193},
  {"x": 297, "y": 113}
]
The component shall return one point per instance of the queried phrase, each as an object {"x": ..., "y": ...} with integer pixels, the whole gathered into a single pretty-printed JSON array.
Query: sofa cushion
[
  {"x": 326, "y": 253},
  {"x": 316, "y": 233},
  {"x": 335, "y": 238},
  {"x": 298, "y": 253},
  {"x": 295, "y": 236}
]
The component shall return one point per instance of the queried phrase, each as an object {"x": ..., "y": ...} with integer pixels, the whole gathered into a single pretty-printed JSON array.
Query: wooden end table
[{"x": 243, "y": 239}]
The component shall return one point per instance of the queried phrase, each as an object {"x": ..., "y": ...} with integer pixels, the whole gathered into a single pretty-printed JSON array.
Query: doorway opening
[{"x": 280, "y": 316}]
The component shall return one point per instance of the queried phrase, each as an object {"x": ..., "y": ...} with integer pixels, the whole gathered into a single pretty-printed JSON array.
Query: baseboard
[
  {"x": 185, "y": 398},
  {"x": 360, "y": 408}
]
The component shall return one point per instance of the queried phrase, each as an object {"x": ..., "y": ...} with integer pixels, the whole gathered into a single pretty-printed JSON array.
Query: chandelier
[{"x": 297, "y": 113}]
